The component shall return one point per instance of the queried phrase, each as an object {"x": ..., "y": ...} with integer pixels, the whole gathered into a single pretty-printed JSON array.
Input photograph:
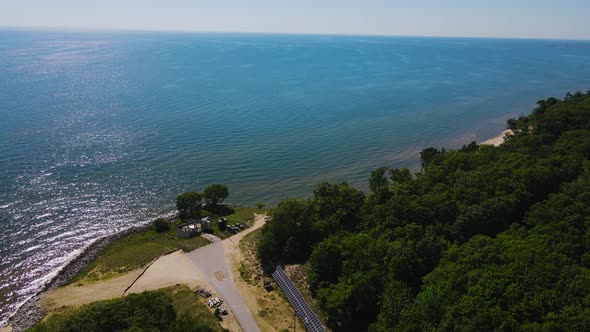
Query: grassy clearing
[
  {"x": 134, "y": 251},
  {"x": 184, "y": 301},
  {"x": 243, "y": 215}
]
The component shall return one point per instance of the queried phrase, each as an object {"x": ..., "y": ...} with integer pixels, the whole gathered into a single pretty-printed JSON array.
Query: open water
[{"x": 100, "y": 131}]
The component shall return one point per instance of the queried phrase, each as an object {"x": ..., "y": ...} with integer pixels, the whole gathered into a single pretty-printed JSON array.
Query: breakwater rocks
[{"x": 30, "y": 312}]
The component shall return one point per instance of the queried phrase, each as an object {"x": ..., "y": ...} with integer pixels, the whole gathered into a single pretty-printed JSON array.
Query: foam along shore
[{"x": 498, "y": 139}]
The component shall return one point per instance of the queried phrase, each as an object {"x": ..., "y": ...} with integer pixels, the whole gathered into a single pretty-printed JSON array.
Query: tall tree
[
  {"x": 215, "y": 194},
  {"x": 378, "y": 181},
  {"x": 189, "y": 203}
]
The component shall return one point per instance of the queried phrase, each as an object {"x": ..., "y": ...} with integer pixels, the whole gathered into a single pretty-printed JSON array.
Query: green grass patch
[{"x": 186, "y": 302}]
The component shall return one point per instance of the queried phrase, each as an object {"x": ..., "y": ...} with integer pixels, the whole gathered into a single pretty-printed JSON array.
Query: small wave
[
  {"x": 6, "y": 206},
  {"x": 64, "y": 234},
  {"x": 44, "y": 215},
  {"x": 36, "y": 285}
]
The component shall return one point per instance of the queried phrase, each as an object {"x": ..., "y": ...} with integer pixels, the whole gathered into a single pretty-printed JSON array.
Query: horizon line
[{"x": 139, "y": 30}]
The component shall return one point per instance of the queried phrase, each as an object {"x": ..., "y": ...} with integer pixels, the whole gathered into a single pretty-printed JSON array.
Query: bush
[
  {"x": 151, "y": 311},
  {"x": 148, "y": 311},
  {"x": 161, "y": 225},
  {"x": 260, "y": 205}
]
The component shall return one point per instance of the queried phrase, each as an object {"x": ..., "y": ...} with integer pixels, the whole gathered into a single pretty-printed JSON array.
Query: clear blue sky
[{"x": 478, "y": 18}]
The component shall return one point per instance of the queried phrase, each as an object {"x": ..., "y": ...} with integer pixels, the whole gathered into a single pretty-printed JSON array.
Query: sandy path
[{"x": 74, "y": 295}]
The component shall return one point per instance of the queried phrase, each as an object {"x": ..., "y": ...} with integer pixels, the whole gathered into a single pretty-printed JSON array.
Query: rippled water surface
[{"x": 100, "y": 131}]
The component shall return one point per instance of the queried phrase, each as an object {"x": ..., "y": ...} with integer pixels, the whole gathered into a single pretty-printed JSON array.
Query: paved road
[{"x": 212, "y": 263}]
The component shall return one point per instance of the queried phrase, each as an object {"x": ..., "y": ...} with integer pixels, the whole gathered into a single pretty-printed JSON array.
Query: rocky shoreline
[{"x": 30, "y": 312}]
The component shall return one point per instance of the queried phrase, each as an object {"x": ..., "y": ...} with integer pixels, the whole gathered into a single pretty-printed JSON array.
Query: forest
[{"x": 481, "y": 238}]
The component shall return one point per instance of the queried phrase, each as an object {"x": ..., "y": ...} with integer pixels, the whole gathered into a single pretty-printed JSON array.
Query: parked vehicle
[
  {"x": 203, "y": 293},
  {"x": 221, "y": 311},
  {"x": 214, "y": 302}
]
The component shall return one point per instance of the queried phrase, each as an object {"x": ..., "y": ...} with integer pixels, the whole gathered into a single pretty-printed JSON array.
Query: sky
[{"x": 554, "y": 19}]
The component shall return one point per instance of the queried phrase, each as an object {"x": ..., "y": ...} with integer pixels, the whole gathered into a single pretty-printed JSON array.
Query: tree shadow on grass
[{"x": 221, "y": 210}]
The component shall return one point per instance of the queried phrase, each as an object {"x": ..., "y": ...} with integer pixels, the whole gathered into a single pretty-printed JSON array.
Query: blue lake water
[{"x": 100, "y": 131}]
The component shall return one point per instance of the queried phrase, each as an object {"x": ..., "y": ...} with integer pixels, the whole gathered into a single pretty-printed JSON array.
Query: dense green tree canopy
[
  {"x": 483, "y": 238},
  {"x": 215, "y": 194},
  {"x": 189, "y": 203}
]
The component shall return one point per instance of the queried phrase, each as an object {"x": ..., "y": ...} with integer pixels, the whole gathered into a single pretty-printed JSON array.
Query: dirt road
[{"x": 212, "y": 261}]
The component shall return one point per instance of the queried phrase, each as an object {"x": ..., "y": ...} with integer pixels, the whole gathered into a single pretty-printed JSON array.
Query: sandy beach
[{"x": 498, "y": 139}]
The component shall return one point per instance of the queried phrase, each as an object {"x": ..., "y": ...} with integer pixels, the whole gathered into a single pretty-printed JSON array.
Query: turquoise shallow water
[{"x": 100, "y": 131}]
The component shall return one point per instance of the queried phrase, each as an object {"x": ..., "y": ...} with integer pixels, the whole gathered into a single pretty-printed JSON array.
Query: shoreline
[
  {"x": 498, "y": 139},
  {"x": 30, "y": 312}
]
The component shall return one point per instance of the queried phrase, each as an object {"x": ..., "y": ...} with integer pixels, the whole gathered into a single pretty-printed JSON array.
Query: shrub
[{"x": 161, "y": 225}]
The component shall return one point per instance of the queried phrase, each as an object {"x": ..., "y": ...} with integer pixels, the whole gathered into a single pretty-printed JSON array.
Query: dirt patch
[
  {"x": 167, "y": 271},
  {"x": 175, "y": 268},
  {"x": 219, "y": 275},
  {"x": 79, "y": 294}
]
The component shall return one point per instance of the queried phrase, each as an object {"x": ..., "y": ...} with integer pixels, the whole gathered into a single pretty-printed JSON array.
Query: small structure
[
  {"x": 206, "y": 224},
  {"x": 222, "y": 223},
  {"x": 193, "y": 228},
  {"x": 188, "y": 229}
]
